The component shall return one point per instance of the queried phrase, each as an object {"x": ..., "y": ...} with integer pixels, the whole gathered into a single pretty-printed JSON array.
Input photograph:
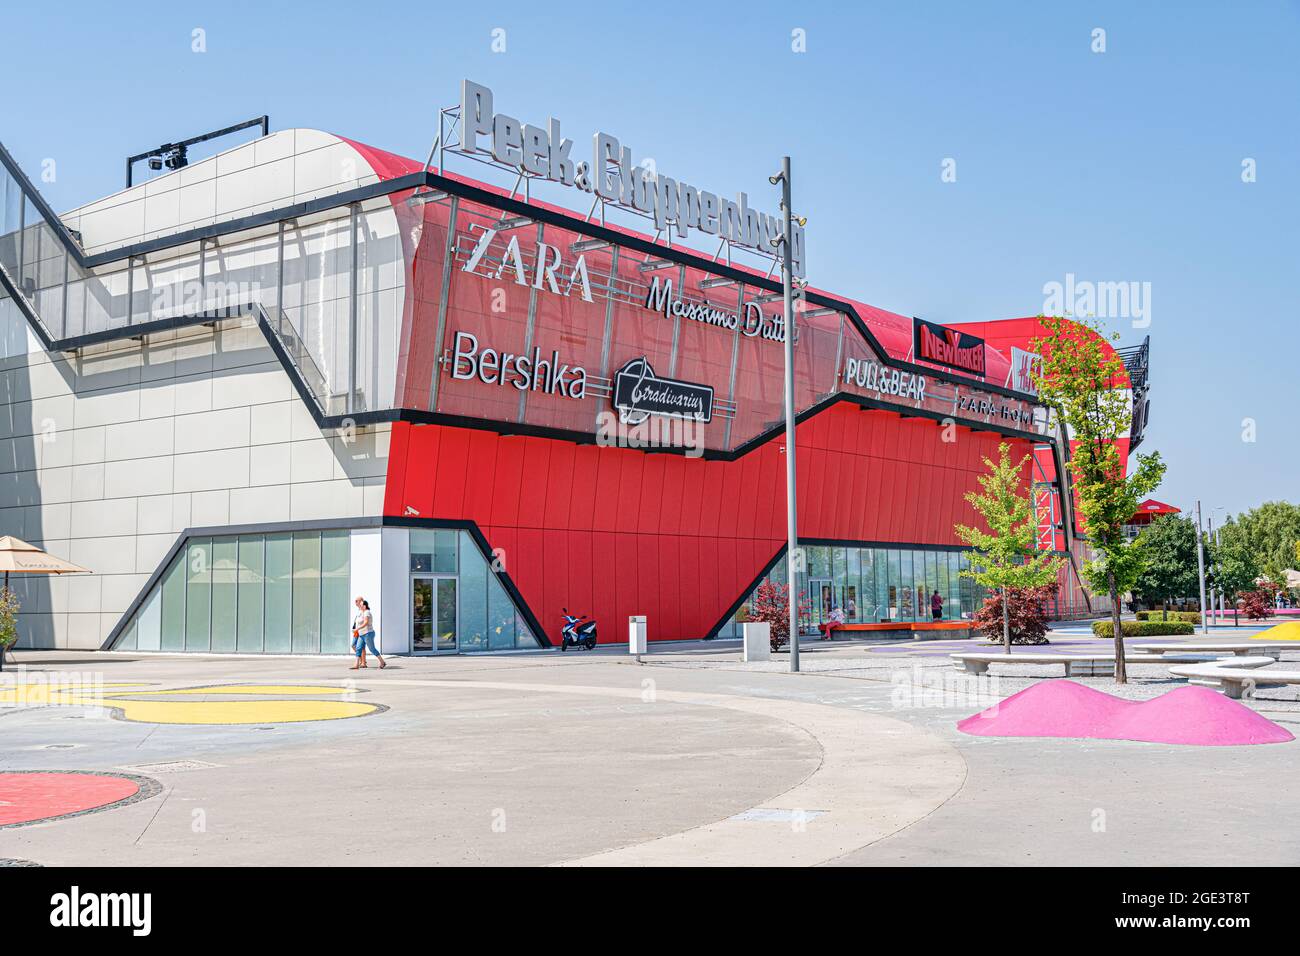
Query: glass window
[
  {"x": 149, "y": 635},
  {"x": 852, "y": 586},
  {"x": 251, "y": 583},
  {"x": 198, "y": 596},
  {"x": 336, "y": 603},
  {"x": 421, "y": 544},
  {"x": 473, "y": 595},
  {"x": 886, "y": 582},
  {"x": 173, "y": 604},
  {"x": 868, "y": 607},
  {"x": 954, "y": 586},
  {"x": 306, "y": 592},
  {"x": 279, "y": 593},
  {"x": 524, "y": 636},
  {"x": 444, "y": 552},
  {"x": 906, "y": 606},
  {"x": 500, "y": 616},
  {"x": 224, "y": 595}
]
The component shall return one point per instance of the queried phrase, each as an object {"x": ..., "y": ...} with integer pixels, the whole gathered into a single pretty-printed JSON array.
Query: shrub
[
  {"x": 1193, "y": 617},
  {"x": 1027, "y": 611},
  {"x": 1143, "y": 628},
  {"x": 1258, "y": 604},
  {"x": 8, "y": 621}
]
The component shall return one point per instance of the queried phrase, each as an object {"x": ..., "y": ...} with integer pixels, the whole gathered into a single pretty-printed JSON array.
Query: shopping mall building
[{"x": 253, "y": 386}]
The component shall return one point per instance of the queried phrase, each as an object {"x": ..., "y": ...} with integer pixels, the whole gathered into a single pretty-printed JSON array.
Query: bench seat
[
  {"x": 1234, "y": 675},
  {"x": 1083, "y": 665}
]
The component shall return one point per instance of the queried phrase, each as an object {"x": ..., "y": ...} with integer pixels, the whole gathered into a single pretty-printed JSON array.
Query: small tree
[
  {"x": 1027, "y": 614},
  {"x": 8, "y": 622},
  {"x": 1257, "y": 605},
  {"x": 1084, "y": 382},
  {"x": 1004, "y": 557},
  {"x": 771, "y": 605}
]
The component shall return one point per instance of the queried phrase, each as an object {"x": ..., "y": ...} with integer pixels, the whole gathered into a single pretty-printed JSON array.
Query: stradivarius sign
[
  {"x": 639, "y": 393},
  {"x": 614, "y": 176}
]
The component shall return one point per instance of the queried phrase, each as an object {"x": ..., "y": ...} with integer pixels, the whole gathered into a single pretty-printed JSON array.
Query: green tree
[
  {"x": 1271, "y": 532},
  {"x": 1234, "y": 563},
  {"x": 1168, "y": 546},
  {"x": 1084, "y": 381},
  {"x": 1004, "y": 556}
]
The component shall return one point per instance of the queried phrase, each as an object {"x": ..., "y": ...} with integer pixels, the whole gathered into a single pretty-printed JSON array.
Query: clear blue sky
[{"x": 1118, "y": 166}]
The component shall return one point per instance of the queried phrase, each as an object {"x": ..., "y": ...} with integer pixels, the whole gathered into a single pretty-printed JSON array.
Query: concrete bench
[
  {"x": 1233, "y": 675},
  {"x": 1240, "y": 649},
  {"x": 1081, "y": 665}
]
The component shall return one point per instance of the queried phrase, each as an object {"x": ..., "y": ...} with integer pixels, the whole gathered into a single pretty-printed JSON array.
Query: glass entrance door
[
  {"x": 822, "y": 600},
  {"x": 433, "y": 614}
]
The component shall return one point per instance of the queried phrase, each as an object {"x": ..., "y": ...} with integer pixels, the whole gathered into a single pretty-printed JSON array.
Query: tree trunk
[
  {"x": 1121, "y": 672},
  {"x": 1006, "y": 623}
]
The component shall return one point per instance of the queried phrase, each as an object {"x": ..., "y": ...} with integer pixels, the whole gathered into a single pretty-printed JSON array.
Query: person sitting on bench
[{"x": 833, "y": 620}]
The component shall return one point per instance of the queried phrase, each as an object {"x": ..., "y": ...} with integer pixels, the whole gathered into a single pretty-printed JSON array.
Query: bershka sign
[
  {"x": 527, "y": 373},
  {"x": 755, "y": 323},
  {"x": 869, "y": 374},
  {"x": 945, "y": 346},
  {"x": 614, "y": 177},
  {"x": 639, "y": 393}
]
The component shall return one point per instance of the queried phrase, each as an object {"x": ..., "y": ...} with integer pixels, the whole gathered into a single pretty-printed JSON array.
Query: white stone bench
[
  {"x": 1082, "y": 665},
  {"x": 1240, "y": 649},
  {"x": 1233, "y": 675}
]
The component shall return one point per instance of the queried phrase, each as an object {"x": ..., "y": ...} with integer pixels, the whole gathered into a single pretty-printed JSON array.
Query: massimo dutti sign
[
  {"x": 639, "y": 393},
  {"x": 944, "y": 346}
]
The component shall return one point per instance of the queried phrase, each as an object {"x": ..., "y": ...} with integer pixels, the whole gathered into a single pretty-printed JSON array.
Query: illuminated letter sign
[
  {"x": 945, "y": 346},
  {"x": 614, "y": 176}
]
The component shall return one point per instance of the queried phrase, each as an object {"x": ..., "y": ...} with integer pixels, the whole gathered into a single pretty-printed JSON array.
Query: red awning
[{"x": 1151, "y": 508}]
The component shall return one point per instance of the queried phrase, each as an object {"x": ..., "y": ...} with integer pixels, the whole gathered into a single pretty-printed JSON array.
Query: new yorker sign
[
  {"x": 945, "y": 346},
  {"x": 613, "y": 176}
]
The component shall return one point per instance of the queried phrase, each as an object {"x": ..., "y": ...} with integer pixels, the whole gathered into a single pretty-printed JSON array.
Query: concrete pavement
[{"x": 692, "y": 758}]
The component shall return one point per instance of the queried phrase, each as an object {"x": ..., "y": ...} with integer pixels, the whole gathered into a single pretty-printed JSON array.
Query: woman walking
[{"x": 363, "y": 635}]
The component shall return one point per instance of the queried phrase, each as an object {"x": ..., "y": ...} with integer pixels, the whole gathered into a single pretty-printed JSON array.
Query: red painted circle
[{"x": 27, "y": 797}]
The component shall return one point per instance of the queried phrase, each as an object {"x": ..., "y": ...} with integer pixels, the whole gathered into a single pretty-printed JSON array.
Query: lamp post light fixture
[
  {"x": 1200, "y": 570},
  {"x": 792, "y": 552}
]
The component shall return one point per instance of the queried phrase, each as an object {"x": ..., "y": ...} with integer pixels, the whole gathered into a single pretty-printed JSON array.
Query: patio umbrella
[{"x": 19, "y": 557}]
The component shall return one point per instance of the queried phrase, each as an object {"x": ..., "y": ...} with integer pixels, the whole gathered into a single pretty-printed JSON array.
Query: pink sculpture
[{"x": 1187, "y": 715}]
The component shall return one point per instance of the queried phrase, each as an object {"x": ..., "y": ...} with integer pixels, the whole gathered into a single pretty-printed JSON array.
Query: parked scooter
[{"x": 578, "y": 631}]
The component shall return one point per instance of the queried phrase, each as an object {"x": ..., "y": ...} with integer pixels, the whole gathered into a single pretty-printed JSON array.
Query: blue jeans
[{"x": 363, "y": 641}]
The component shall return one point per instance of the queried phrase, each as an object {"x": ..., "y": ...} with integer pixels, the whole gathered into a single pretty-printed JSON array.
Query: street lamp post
[
  {"x": 792, "y": 532},
  {"x": 1200, "y": 570}
]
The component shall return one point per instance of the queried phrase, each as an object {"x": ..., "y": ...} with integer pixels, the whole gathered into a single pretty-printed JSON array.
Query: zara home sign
[{"x": 613, "y": 176}]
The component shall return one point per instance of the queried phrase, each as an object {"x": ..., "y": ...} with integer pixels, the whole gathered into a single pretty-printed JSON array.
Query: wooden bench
[
  {"x": 1235, "y": 675},
  {"x": 1082, "y": 665}
]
